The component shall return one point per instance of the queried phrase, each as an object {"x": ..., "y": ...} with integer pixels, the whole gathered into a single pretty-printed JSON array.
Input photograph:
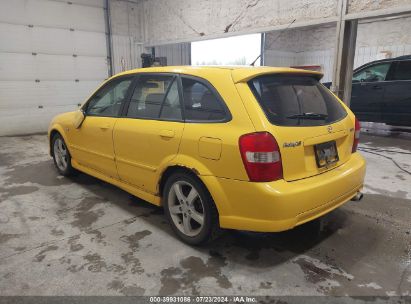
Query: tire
[
  {"x": 61, "y": 156},
  {"x": 184, "y": 209}
]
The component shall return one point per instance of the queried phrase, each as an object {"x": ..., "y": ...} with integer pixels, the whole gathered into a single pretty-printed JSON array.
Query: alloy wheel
[
  {"x": 60, "y": 154},
  {"x": 186, "y": 208}
]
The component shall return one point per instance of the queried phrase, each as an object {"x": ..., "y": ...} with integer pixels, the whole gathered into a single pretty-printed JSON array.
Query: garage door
[{"x": 52, "y": 55}]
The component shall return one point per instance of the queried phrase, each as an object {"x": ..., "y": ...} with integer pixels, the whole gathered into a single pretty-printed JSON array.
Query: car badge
[
  {"x": 292, "y": 144},
  {"x": 329, "y": 129}
]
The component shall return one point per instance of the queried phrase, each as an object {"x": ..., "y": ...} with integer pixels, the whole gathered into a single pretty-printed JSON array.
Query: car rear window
[
  {"x": 293, "y": 100},
  {"x": 402, "y": 71}
]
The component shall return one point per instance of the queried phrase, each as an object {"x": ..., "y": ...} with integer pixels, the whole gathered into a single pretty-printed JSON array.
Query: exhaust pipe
[{"x": 358, "y": 196}]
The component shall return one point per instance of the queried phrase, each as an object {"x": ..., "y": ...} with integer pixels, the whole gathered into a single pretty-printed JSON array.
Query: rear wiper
[{"x": 309, "y": 115}]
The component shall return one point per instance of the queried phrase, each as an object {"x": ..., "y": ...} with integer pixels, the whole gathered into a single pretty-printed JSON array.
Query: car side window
[
  {"x": 149, "y": 95},
  {"x": 402, "y": 71},
  {"x": 200, "y": 102},
  {"x": 373, "y": 73},
  {"x": 171, "y": 108},
  {"x": 108, "y": 100}
]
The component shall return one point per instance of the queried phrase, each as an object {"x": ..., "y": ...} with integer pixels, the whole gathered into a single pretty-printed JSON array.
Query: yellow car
[{"x": 248, "y": 148}]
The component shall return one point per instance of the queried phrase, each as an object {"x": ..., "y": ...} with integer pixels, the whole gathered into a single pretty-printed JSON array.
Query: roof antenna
[{"x": 279, "y": 35}]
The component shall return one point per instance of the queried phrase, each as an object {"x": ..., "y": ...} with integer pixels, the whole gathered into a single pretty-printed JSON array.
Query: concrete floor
[{"x": 81, "y": 236}]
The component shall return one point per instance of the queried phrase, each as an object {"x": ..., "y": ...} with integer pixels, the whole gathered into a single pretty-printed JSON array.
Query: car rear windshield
[{"x": 293, "y": 100}]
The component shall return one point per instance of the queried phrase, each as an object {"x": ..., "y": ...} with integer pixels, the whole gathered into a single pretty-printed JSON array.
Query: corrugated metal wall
[
  {"x": 52, "y": 56},
  {"x": 126, "y": 53},
  {"x": 176, "y": 54}
]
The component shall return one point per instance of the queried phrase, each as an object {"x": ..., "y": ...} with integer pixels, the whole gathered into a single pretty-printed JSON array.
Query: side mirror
[{"x": 79, "y": 117}]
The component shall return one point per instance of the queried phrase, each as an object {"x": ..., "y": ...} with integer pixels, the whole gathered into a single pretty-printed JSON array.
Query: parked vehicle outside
[
  {"x": 248, "y": 148},
  {"x": 381, "y": 91}
]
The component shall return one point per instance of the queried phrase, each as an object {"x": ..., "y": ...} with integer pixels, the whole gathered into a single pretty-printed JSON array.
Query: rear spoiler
[{"x": 244, "y": 75}]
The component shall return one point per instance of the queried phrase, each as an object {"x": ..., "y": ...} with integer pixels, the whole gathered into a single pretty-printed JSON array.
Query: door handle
[
  {"x": 377, "y": 87},
  {"x": 105, "y": 126},
  {"x": 167, "y": 133}
]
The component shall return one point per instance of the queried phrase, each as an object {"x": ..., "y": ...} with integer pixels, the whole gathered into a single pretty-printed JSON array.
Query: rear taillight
[
  {"x": 261, "y": 157},
  {"x": 356, "y": 135}
]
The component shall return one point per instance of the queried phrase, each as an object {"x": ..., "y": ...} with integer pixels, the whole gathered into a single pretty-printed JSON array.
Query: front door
[
  {"x": 368, "y": 89},
  {"x": 92, "y": 143},
  {"x": 149, "y": 134}
]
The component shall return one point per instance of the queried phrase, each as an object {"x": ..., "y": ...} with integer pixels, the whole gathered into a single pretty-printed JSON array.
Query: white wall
[
  {"x": 127, "y": 30},
  {"x": 128, "y": 24},
  {"x": 173, "y": 21},
  {"x": 315, "y": 45},
  {"x": 306, "y": 46},
  {"x": 358, "y": 6},
  {"x": 188, "y": 20},
  {"x": 373, "y": 38}
]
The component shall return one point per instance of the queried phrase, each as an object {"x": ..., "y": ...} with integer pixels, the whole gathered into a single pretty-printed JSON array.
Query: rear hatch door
[{"x": 312, "y": 128}]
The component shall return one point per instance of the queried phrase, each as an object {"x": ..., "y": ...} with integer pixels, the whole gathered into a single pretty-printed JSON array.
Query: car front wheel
[
  {"x": 190, "y": 209},
  {"x": 61, "y": 156}
]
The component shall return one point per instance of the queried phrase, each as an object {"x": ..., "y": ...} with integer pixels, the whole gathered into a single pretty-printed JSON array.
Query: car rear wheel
[
  {"x": 190, "y": 209},
  {"x": 61, "y": 156}
]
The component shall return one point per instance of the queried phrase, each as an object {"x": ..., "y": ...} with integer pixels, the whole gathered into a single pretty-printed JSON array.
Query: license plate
[{"x": 326, "y": 154}]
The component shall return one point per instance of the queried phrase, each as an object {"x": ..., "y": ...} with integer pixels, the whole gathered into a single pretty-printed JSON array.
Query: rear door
[
  {"x": 397, "y": 97},
  {"x": 304, "y": 117},
  {"x": 149, "y": 133},
  {"x": 368, "y": 89}
]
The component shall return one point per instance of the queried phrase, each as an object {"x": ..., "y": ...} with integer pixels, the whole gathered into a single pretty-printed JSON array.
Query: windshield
[{"x": 296, "y": 100}]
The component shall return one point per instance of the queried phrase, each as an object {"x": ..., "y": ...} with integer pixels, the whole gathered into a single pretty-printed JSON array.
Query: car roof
[
  {"x": 399, "y": 58},
  {"x": 239, "y": 73}
]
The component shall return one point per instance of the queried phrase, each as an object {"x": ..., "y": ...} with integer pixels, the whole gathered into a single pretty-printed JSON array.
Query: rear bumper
[{"x": 281, "y": 205}]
